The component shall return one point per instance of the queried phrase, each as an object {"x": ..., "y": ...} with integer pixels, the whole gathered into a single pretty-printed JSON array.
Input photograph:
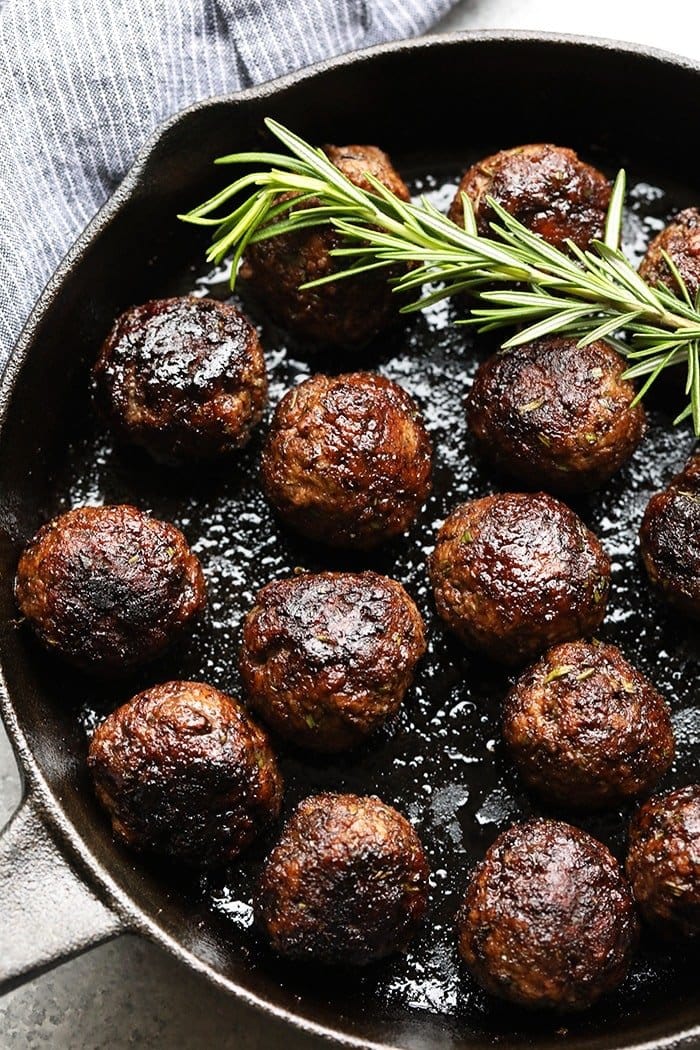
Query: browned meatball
[
  {"x": 515, "y": 573},
  {"x": 546, "y": 188},
  {"x": 555, "y": 415},
  {"x": 184, "y": 772},
  {"x": 109, "y": 588},
  {"x": 663, "y": 863},
  {"x": 185, "y": 378},
  {"x": 327, "y": 658},
  {"x": 586, "y": 729},
  {"x": 346, "y": 884},
  {"x": 681, "y": 242},
  {"x": 347, "y": 460},
  {"x": 344, "y": 312},
  {"x": 670, "y": 540},
  {"x": 548, "y": 919}
]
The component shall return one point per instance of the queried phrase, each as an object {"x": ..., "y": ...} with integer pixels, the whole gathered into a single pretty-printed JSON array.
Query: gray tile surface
[
  {"x": 128, "y": 993},
  {"x": 672, "y": 26}
]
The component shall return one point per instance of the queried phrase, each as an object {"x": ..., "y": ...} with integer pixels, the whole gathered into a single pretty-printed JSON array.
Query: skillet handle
[{"x": 47, "y": 913}]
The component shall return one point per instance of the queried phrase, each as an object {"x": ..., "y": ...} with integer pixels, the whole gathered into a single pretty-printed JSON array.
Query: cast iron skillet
[{"x": 64, "y": 885}]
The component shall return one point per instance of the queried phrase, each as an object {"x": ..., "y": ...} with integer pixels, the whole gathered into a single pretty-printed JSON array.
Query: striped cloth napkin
[{"x": 84, "y": 82}]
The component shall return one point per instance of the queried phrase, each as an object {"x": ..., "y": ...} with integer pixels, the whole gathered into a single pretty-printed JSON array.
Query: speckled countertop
[{"x": 129, "y": 993}]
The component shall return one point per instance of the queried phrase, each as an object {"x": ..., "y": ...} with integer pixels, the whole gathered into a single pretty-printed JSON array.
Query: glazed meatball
[
  {"x": 554, "y": 415},
  {"x": 345, "y": 312},
  {"x": 184, "y": 378},
  {"x": 109, "y": 588},
  {"x": 183, "y": 772},
  {"x": 514, "y": 573},
  {"x": 680, "y": 240},
  {"x": 347, "y": 460},
  {"x": 546, "y": 188},
  {"x": 663, "y": 862},
  {"x": 327, "y": 658},
  {"x": 670, "y": 540},
  {"x": 347, "y": 883},
  {"x": 548, "y": 919},
  {"x": 586, "y": 729}
]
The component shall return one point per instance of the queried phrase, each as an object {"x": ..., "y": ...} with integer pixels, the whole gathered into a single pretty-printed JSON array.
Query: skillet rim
[{"x": 36, "y": 790}]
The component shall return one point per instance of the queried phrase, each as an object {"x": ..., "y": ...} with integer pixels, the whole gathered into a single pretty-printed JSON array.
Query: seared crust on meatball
[
  {"x": 347, "y": 883},
  {"x": 681, "y": 242},
  {"x": 586, "y": 729},
  {"x": 546, "y": 188},
  {"x": 669, "y": 539},
  {"x": 345, "y": 312},
  {"x": 552, "y": 414},
  {"x": 327, "y": 658},
  {"x": 109, "y": 588},
  {"x": 515, "y": 573},
  {"x": 663, "y": 862},
  {"x": 347, "y": 460},
  {"x": 184, "y": 378},
  {"x": 184, "y": 772},
  {"x": 548, "y": 919}
]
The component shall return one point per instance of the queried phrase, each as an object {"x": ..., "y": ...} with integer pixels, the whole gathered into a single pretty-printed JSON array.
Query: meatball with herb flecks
[
  {"x": 183, "y": 772},
  {"x": 680, "y": 241},
  {"x": 663, "y": 861},
  {"x": 515, "y": 573},
  {"x": 545, "y": 187},
  {"x": 548, "y": 920},
  {"x": 184, "y": 378},
  {"x": 669, "y": 539},
  {"x": 556, "y": 415},
  {"x": 109, "y": 588},
  {"x": 327, "y": 658},
  {"x": 346, "y": 884},
  {"x": 345, "y": 312},
  {"x": 586, "y": 729},
  {"x": 347, "y": 460}
]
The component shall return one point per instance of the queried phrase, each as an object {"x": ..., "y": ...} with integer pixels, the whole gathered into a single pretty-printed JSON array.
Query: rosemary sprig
[{"x": 516, "y": 277}]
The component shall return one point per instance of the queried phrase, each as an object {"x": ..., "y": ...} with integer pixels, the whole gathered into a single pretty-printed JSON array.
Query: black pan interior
[{"x": 435, "y": 109}]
